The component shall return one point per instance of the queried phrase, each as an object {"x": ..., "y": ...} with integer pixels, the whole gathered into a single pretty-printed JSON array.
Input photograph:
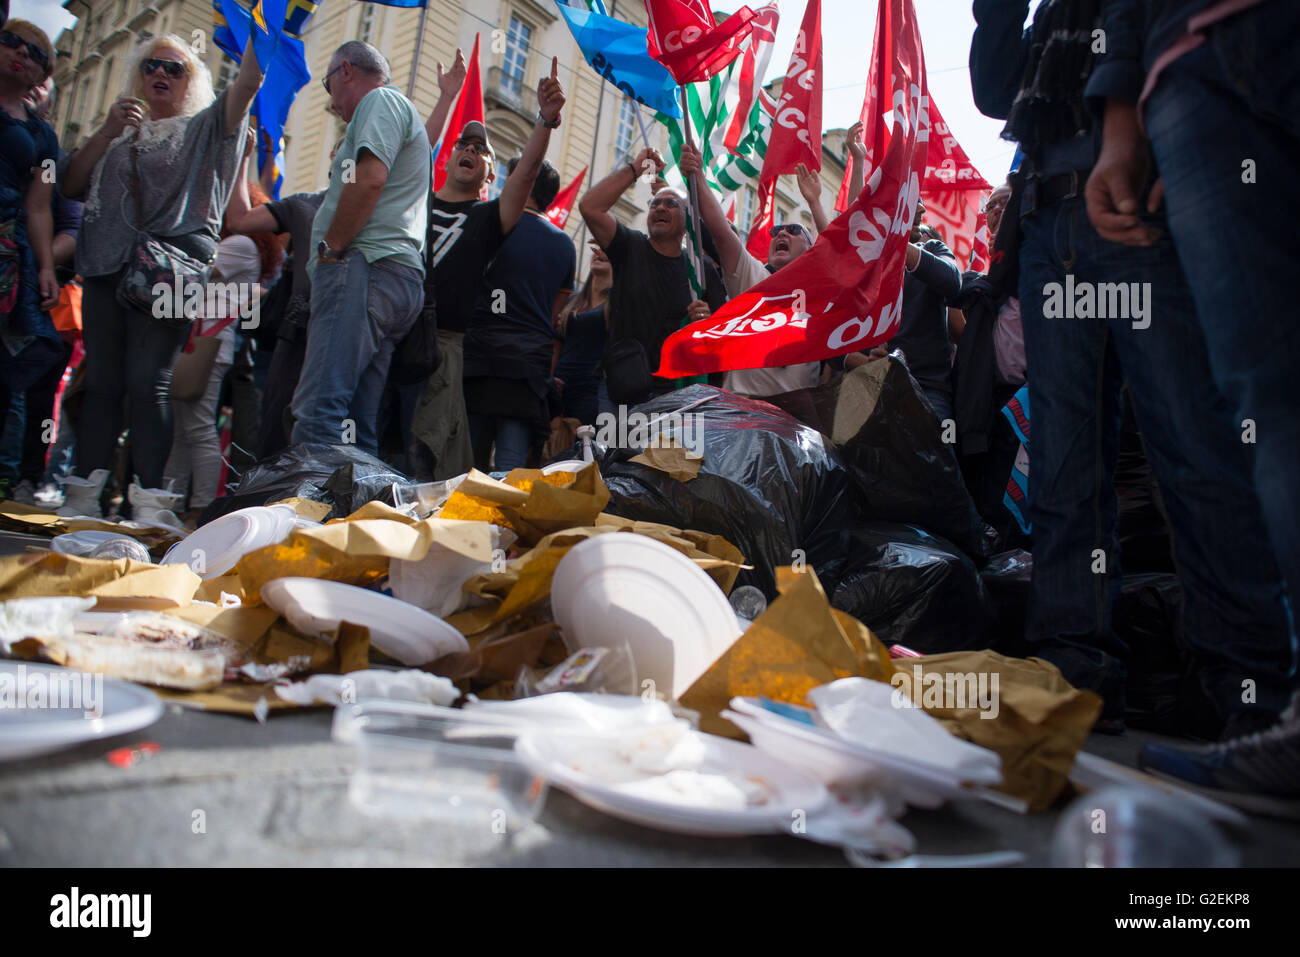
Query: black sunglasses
[
  {"x": 794, "y": 229},
  {"x": 173, "y": 68},
  {"x": 482, "y": 149},
  {"x": 325, "y": 80},
  {"x": 13, "y": 41}
]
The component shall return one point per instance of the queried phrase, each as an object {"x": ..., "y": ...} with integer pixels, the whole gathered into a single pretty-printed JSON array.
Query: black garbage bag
[
  {"x": 913, "y": 588},
  {"x": 357, "y": 483},
  {"x": 303, "y": 471},
  {"x": 888, "y": 437},
  {"x": 1006, "y": 578},
  {"x": 773, "y": 487}
]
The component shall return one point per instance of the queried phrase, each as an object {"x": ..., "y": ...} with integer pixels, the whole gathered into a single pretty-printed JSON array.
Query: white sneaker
[{"x": 81, "y": 495}]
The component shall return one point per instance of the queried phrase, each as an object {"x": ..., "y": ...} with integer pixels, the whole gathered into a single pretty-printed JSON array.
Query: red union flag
[
  {"x": 562, "y": 205},
  {"x": 684, "y": 37},
  {"x": 469, "y": 106},
  {"x": 797, "y": 132},
  {"x": 753, "y": 67},
  {"x": 958, "y": 216},
  {"x": 846, "y": 293}
]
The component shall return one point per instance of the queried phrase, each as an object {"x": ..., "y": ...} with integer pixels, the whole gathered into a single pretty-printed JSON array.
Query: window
[
  {"x": 225, "y": 71},
  {"x": 105, "y": 85},
  {"x": 367, "y": 22},
  {"x": 745, "y": 209},
  {"x": 494, "y": 188},
  {"x": 626, "y": 125},
  {"x": 515, "y": 63}
]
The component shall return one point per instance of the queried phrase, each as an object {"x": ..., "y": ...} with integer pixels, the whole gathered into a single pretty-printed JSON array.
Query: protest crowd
[{"x": 864, "y": 392}]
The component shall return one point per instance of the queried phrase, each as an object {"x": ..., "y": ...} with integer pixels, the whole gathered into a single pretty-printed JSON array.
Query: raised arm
[
  {"x": 858, "y": 150},
  {"x": 449, "y": 84},
  {"x": 810, "y": 187},
  {"x": 240, "y": 216},
  {"x": 247, "y": 82},
  {"x": 596, "y": 203},
  {"x": 728, "y": 243},
  {"x": 514, "y": 195}
]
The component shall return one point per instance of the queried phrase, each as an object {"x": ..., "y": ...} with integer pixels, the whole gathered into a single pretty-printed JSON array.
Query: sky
[{"x": 847, "y": 28}]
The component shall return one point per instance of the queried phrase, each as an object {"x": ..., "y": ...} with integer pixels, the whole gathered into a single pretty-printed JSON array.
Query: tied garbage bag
[
  {"x": 887, "y": 435},
  {"x": 912, "y": 588},
  {"x": 773, "y": 487},
  {"x": 341, "y": 475}
]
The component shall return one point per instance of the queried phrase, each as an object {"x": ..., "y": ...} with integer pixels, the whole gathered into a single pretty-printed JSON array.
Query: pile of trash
[{"x": 804, "y": 573}]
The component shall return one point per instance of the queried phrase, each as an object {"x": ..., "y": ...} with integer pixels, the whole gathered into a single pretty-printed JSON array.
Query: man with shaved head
[{"x": 651, "y": 297}]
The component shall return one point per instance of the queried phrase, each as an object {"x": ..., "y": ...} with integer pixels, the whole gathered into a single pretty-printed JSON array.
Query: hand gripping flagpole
[{"x": 694, "y": 194}]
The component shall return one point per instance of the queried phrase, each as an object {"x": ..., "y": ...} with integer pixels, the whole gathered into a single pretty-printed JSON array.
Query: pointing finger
[{"x": 555, "y": 67}]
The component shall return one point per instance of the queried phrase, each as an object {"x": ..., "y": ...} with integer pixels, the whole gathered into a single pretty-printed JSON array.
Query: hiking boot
[{"x": 1262, "y": 763}]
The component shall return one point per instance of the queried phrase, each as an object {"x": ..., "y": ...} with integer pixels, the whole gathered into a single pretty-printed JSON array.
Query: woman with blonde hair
[{"x": 162, "y": 166}]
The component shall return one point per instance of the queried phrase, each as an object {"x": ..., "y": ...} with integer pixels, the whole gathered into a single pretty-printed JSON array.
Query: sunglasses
[
  {"x": 482, "y": 149},
  {"x": 794, "y": 229},
  {"x": 173, "y": 68},
  {"x": 325, "y": 80},
  {"x": 34, "y": 53}
]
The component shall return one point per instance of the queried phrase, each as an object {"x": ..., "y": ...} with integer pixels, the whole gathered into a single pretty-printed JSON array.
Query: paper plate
[
  {"x": 589, "y": 769},
  {"x": 626, "y": 588},
  {"x": 25, "y": 732},
  {"x": 84, "y": 542},
  {"x": 224, "y": 541},
  {"x": 402, "y": 631},
  {"x": 568, "y": 465}
]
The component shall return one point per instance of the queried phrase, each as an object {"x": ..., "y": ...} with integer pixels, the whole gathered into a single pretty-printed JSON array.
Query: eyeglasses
[
  {"x": 325, "y": 80},
  {"x": 482, "y": 149},
  {"x": 794, "y": 229},
  {"x": 173, "y": 68},
  {"x": 667, "y": 199},
  {"x": 13, "y": 41}
]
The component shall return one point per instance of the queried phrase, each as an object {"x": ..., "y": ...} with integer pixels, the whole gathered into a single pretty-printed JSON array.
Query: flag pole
[
  {"x": 415, "y": 56},
  {"x": 691, "y": 187}
]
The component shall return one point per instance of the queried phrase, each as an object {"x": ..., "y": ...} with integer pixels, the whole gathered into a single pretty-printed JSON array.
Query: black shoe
[{"x": 1090, "y": 669}]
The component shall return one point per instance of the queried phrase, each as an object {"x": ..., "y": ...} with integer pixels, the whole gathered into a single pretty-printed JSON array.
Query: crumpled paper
[
  {"x": 529, "y": 503},
  {"x": 800, "y": 642},
  {"x": 672, "y": 459},
  {"x": 118, "y": 582},
  {"x": 409, "y": 685}
]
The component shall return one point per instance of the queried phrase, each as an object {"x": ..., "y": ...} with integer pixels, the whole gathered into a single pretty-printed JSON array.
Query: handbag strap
[
  {"x": 136, "y": 192},
  {"x": 196, "y": 331}
]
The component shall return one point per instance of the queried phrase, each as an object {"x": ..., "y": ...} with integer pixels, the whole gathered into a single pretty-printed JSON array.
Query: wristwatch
[
  {"x": 323, "y": 251},
  {"x": 550, "y": 126}
]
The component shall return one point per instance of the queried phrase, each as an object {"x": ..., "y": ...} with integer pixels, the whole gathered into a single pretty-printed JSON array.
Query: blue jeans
[
  {"x": 1234, "y": 98},
  {"x": 512, "y": 439},
  {"x": 359, "y": 312},
  {"x": 1234, "y": 613}
]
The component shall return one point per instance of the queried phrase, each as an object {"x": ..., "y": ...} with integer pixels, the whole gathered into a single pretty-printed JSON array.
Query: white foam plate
[
  {"x": 625, "y": 588},
  {"x": 589, "y": 769},
  {"x": 25, "y": 732},
  {"x": 224, "y": 541},
  {"x": 402, "y": 631},
  {"x": 568, "y": 465}
]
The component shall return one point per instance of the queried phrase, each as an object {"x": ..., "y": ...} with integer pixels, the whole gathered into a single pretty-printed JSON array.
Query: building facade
[{"x": 517, "y": 39}]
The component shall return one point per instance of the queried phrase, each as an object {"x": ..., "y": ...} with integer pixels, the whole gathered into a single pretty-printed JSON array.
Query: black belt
[{"x": 1040, "y": 193}]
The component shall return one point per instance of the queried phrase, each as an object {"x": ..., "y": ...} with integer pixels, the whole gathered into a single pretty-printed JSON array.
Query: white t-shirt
[{"x": 761, "y": 382}]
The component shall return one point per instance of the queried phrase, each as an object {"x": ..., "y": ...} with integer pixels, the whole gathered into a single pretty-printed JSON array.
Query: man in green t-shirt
[{"x": 367, "y": 266}]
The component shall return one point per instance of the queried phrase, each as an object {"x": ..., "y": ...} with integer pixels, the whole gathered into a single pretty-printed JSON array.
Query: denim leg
[
  {"x": 941, "y": 402},
  {"x": 514, "y": 437},
  {"x": 1213, "y": 110},
  {"x": 604, "y": 404},
  {"x": 1233, "y": 613},
  {"x": 341, "y": 343},
  {"x": 396, "y": 295},
  {"x": 482, "y": 430},
  {"x": 1074, "y": 385}
]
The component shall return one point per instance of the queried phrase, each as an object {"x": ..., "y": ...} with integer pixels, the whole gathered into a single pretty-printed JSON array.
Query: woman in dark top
[{"x": 584, "y": 325}]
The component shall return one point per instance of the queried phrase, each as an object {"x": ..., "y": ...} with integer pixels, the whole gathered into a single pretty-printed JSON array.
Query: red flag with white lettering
[
  {"x": 958, "y": 215},
  {"x": 691, "y": 45},
  {"x": 797, "y": 132},
  {"x": 753, "y": 67},
  {"x": 562, "y": 205},
  {"x": 846, "y": 293},
  {"x": 469, "y": 106}
]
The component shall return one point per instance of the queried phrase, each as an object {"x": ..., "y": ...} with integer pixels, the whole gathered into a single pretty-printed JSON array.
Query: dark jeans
[
  {"x": 580, "y": 401},
  {"x": 27, "y": 386},
  {"x": 1234, "y": 612},
  {"x": 1233, "y": 99},
  {"x": 281, "y": 381},
  {"x": 511, "y": 438},
  {"x": 128, "y": 355}
]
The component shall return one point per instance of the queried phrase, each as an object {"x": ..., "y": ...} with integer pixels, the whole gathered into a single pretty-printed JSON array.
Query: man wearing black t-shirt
[
  {"x": 464, "y": 235},
  {"x": 651, "y": 297}
]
